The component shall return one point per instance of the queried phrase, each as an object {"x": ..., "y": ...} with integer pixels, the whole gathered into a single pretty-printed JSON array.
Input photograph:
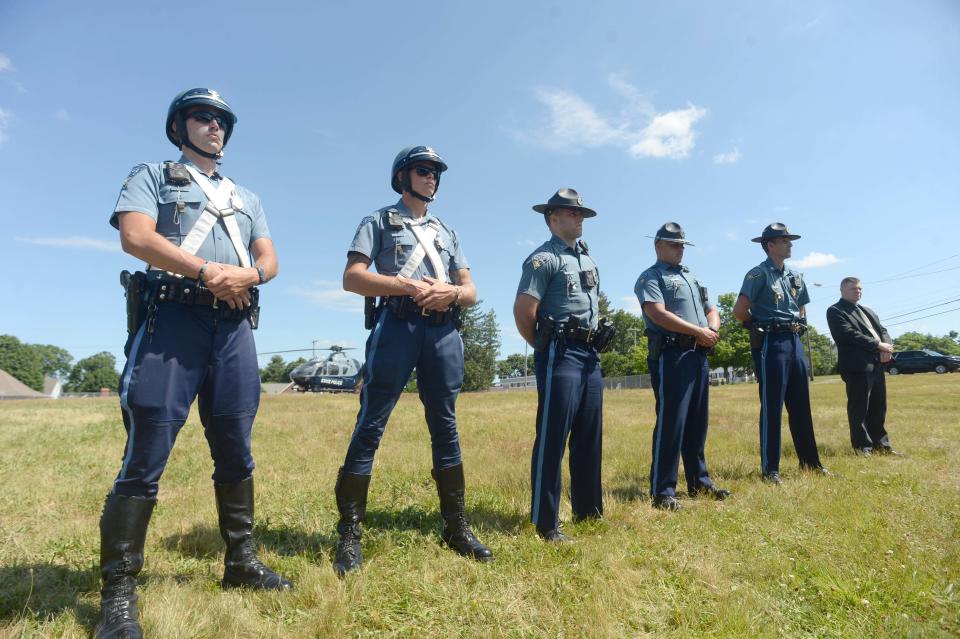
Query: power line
[
  {"x": 926, "y": 308},
  {"x": 917, "y": 268},
  {"x": 952, "y": 310},
  {"x": 906, "y": 277}
]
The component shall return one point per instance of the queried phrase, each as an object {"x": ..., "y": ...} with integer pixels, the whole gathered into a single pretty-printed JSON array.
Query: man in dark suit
[{"x": 863, "y": 347}]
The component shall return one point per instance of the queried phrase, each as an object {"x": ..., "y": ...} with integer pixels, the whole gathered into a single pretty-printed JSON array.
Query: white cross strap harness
[
  {"x": 222, "y": 204},
  {"x": 425, "y": 248}
]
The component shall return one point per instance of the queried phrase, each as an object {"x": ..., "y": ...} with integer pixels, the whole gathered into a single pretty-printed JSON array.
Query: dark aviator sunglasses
[
  {"x": 424, "y": 171},
  {"x": 207, "y": 116}
]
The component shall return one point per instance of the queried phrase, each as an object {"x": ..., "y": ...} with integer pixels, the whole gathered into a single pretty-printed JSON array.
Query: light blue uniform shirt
[
  {"x": 147, "y": 191},
  {"x": 775, "y": 295},
  {"x": 389, "y": 247},
  {"x": 552, "y": 274},
  {"x": 679, "y": 293}
]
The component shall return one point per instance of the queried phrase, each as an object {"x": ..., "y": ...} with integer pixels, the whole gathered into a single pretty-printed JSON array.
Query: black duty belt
[
  {"x": 192, "y": 293},
  {"x": 404, "y": 307},
  {"x": 582, "y": 334},
  {"x": 680, "y": 340},
  {"x": 784, "y": 327}
]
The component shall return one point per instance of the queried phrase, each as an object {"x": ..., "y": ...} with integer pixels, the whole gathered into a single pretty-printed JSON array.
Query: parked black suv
[{"x": 922, "y": 362}]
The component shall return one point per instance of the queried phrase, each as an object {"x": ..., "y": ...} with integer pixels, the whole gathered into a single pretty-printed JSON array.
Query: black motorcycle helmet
[
  {"x": 194, "y": 97},
  {"x": 405, "y": 158}
]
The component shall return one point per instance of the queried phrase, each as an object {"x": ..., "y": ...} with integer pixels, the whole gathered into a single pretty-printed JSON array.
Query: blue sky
[{"x": 839, "y": 119}]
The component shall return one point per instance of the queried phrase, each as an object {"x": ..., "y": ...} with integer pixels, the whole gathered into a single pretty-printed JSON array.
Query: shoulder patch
[
  {"x": 539, "y": 259},
  {"x": 365, "y": 221},
  {"x": 133, "y": 172},
  {"x": 754, "y": 273}
]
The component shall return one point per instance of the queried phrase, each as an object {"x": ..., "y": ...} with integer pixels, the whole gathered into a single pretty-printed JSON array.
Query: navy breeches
[
  {"x": 569, "y": 402},
  {"x": 193, "y": 353},
  {"x": 394, "y": 348},
  {"x": 680, "y": 380},
  {"x": 867, "y": 407},
  {"x": 782, "y": 373}
]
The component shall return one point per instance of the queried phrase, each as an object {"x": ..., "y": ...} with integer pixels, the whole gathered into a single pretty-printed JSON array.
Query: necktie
[{"x": 866, "y": 321}]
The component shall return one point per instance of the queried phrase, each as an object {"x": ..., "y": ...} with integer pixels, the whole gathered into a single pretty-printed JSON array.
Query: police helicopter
[{"x": 335, "y": 373}]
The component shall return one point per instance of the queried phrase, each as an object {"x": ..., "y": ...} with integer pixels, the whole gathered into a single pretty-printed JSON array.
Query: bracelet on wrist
[
  {"x": 456, "y": 298},
  {"x": 203, "y": 269}
]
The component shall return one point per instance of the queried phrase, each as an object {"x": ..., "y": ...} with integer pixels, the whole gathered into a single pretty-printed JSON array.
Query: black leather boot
[
  {"x": 123, "y": 529},
  {"x": 242, "y": 568},
  {"x": 351, "y": 492},
  {"x": 456, "y": 530}
]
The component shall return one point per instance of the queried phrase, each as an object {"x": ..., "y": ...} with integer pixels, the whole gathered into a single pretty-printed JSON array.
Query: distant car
[{"x": 923, "y": 361}]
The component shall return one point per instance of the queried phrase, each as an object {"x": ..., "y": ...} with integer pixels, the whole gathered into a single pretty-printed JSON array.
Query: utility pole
[{"x": 634, "y": 331}]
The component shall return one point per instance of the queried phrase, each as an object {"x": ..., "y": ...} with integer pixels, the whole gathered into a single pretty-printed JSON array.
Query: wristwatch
[{"x": 262, "y": 273}]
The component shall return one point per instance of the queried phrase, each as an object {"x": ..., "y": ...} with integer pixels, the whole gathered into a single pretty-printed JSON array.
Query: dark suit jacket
[{"x": 856, "y": 347}]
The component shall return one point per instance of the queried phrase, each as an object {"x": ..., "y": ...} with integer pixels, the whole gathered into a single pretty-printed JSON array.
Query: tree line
[
  {"x": 30, "y": 363},
  {"x": 628, "y": 351}
]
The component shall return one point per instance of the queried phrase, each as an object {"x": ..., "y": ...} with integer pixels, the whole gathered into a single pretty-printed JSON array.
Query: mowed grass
[{"x": 870, "y": 553}]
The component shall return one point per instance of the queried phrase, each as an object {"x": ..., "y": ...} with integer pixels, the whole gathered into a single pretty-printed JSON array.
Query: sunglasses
[
  {"x": 207, "y": 116},
  {"x": 424, "y": 171}
]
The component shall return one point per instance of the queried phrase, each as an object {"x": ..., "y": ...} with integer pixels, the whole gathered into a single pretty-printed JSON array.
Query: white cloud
[
  {"x": 5, "y": 63},
  {"x": 815, "y": 260},
  {"x": 732, "y": 236},
  {"x": 5, "y": 117},
  {"x": 526, "y": 243},
  {"x": 330, "y": 295},
  {"x": 727, "y": 158},
  {"x": 75, "y": 241},
  {"x": 574, "y": 123},
  {"x": 62, "y": 115},
  {"x": 631, "y": 304}
]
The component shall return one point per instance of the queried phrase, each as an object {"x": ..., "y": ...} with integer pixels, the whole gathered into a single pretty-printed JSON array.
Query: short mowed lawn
[{"x": 872, "y": 552}]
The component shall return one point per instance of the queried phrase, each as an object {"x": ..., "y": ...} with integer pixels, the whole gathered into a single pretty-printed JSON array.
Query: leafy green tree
[
  {"x": 289, "y": 366},
  {"x": 637, "y": 357},
  {"x": 824, "y": 353},
  {"x": 914, "y": 341},
  {"x": 55, "y": 361},
  {"x": 515, "y": 365},
  {"x": 274, "y": 371},
  {"x": 733, "y": 349},
  {"x": 93, "y": 373},
  {"x": 613, "y": 364},
  {"x": 481, "y": 343},
  {"x": 21, "y": 361}
]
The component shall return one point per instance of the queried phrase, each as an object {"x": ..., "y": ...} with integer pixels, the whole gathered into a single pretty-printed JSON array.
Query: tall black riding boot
[
  {"x": 351, "y": 491},
  {"x": 456, "y": 530},
  {"x": 123, "y": 529},
  {"x": 241, "y": 566}
]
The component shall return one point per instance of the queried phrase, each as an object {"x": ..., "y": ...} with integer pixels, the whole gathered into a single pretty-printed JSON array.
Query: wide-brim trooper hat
[
  {"x": 775, "y": 230},
  {"x": 565, "y": 199},
  {"x": 671, "y": 232}
]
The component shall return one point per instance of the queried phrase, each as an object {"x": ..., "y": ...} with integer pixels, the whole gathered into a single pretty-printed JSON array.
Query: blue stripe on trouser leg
[
  {"x": 675, "y": 379},
  {"x": 439, "y": 379},
  {"x": 692, "y": 450},
  {"x": 783, "y": 382},
  {"x": 164, "y": 374},
  {"x": 229, "y": 399},
  {"x": 392, "y": 351},
  {"x": 544, "y": 375},
  {"x": 586, "y": 443},
  {"x": 797, "y": 402},
  {"x": 569, "y": 396}
]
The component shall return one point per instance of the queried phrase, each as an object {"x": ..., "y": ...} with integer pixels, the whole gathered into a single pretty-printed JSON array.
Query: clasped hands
[
  {"x": 430, "y": 293},
  {"x": 230, "y": 283}
]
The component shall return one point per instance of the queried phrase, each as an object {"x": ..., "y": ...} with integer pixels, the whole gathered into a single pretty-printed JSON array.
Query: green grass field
[{"x": 873, "y": 552}]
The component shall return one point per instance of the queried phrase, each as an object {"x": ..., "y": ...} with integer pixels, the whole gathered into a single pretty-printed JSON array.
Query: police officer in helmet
[
  {"x": 422, "y": 279},
  {"x": 190, "y": 319}
]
